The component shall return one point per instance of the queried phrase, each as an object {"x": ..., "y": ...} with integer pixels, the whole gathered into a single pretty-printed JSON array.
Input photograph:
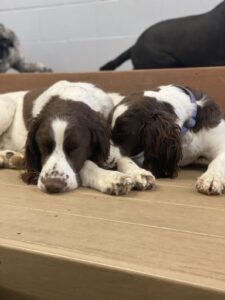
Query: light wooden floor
[{"x": 86, "y": 245}]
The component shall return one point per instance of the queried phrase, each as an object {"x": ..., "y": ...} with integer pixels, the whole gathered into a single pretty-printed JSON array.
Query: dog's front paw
[
  {"x": 11, "y": 160},
  {"x": 116, "y": 183},
  {"x": 210, "y": 184},
  {"x": 142, "y": 179}
]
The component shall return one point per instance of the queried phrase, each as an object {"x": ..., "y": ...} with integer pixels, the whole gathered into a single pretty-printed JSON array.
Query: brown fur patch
[
  {"x": 28, "y": 104},
  {"x": 208, "y": 116}
]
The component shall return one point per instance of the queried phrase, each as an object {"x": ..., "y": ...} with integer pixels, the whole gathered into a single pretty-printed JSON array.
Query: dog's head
[
  {"x": 140, "y": 124},
  {"x": 59, "y": 141}
]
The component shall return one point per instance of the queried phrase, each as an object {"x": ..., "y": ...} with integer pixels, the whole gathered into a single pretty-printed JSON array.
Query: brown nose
[{"x": 54, "y": 185}]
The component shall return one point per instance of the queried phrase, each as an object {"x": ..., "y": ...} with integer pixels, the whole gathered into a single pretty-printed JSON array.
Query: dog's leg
[
  {"x": 212, "y": 182},
  {"x": 141, "y": 178},
  {"x": 106, "y": 181},
  {"x": 23, "y": 66},
  {"x": 11, "y": 160}
]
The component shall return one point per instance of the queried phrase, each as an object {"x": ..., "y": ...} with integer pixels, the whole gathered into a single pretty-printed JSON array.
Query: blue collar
[{"x": 191, "y": 122}]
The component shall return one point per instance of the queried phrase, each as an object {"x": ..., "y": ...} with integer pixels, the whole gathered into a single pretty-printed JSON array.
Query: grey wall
[{"x": 80, "y": 35}]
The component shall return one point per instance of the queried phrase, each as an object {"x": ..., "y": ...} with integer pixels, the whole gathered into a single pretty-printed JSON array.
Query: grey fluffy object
[{"x": 11, "y": 56}]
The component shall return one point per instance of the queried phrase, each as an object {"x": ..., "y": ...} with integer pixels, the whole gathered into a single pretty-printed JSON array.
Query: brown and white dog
[
  {"x": 64, "y": 132},
  {"x": 171, "y": 127}
]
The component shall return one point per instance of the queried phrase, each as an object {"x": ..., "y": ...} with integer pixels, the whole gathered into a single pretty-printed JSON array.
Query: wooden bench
[{"x": 168, "y": 243}]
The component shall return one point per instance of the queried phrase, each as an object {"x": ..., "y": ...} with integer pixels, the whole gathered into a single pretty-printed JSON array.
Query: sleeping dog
[
  {"x": 192, "y": 41},
  {"x": 171, "y": 127},
  {"x": 11, "y": 55},
  {"x": 64, "y": 132}
]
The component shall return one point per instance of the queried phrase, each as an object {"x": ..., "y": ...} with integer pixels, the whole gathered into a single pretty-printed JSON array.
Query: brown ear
[
  {"x": 162, "y": 145},
  {"x": 32, "y": 155},
  {"x": 100, "y": 140}
]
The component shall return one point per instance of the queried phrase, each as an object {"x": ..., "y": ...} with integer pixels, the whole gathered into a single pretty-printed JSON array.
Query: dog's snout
[{"x": 54, "y": 185}]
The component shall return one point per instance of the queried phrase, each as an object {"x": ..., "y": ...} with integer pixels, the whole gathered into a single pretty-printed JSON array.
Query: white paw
[
  {"x": 142, "y": 179},
  {"x": 210, "y": 184},
  {"x": 116, "y": 183},
  {"x": 11, "y": 159}
]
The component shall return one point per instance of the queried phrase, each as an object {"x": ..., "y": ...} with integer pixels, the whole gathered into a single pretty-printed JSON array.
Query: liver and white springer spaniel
[
  {"x": 66, "y": 139},
  {"x": 173, "y": 126}
]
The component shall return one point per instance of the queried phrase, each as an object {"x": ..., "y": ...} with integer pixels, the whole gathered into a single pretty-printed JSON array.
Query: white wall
[{"x": 81, "y": 35}]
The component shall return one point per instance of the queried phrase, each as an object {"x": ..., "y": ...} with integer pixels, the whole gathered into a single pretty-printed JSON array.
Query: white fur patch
[
  {"x": 116, "y": 98},
  {"x": 57, "y": 165},
  {"x": 203, "y": 143},
  {"x": 118, "y": 112},
  {"x": 87, "y": 93},
  {"x": 12, "y": 122},
  {"x": 59, "y": 128},
  {"x": 173, "y": 95}
]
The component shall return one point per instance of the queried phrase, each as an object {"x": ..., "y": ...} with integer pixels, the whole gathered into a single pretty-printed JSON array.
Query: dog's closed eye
[
  {"x": 70, "y": 148},
  {"x": 47, "y": 147}
]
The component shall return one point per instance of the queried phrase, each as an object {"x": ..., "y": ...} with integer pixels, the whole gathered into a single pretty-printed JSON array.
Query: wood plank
[
  {"x": 125, "y": 245},
  {"x": 211, "y": 80},
  {"x": 186, "y": 175},
  {"x": 208, "y": 220},
  {"x": 50, "y": 276},
  {"x": 187, "y": 196}
]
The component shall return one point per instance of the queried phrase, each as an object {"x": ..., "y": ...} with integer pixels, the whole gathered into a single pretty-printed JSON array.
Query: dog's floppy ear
[
  {"x": 162, "y": 145},
  {"x": 100, "y": 140},
  {"x": 32, "y": 155}
]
